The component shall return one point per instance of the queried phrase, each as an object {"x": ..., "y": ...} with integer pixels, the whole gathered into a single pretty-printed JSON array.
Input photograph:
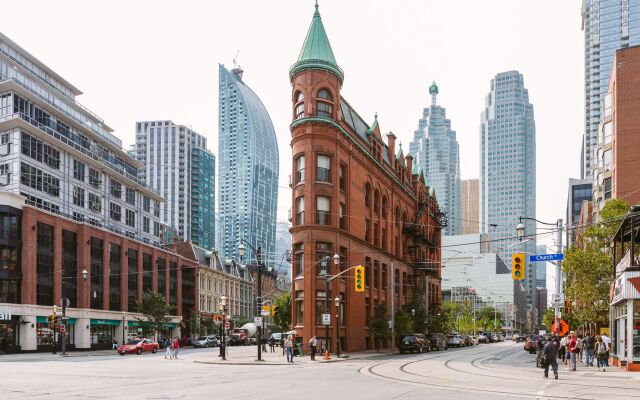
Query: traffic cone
[{"x": 326, "y": 354}]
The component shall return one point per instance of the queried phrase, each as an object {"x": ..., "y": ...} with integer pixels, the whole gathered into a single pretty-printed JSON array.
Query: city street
[{"x": 487, "y": 371}]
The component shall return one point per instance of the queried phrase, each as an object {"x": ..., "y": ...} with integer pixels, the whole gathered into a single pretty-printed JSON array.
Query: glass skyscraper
[
  {"x": 608, "y": 25},
  {"x": 248, "y": 169},
  {"x": 437, "y": 154},
  {"x": 179, "y": 166},
  {"x": 508, "y": 171}
]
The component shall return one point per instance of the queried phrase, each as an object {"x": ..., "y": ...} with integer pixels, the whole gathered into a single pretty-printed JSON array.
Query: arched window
[
  {"x": 367, "y": 195},
  {"x": 324, "y": 105},
  {"x": 299, "y": 105},
  {"x": 384, "y": 207},
  {"x": 376, "y": 202}
]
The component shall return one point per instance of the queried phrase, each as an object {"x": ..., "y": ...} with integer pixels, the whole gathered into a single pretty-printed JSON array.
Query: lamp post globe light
[
  {"x": 223, "y": 311},
  {"x": 84, "y": 274},
  {"x": 258, "y": 254},
  {"x": 337, "y": 301},
  {"x": 520, "y": 230}
]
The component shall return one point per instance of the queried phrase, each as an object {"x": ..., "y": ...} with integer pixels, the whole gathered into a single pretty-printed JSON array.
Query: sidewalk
[
  {"x": 48, "y": 356},
  {"x": 276, "y": 358}
]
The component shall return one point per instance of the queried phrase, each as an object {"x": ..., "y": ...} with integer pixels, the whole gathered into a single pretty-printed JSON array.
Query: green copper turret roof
[{"x": 316, "y": 51}]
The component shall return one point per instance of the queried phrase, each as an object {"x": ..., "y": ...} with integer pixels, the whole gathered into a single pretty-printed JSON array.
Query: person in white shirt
[
  {"x": 607, "y": 342},
  {"x": 563, "y": 349}
]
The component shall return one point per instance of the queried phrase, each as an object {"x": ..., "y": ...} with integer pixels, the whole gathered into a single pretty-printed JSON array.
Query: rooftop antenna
[{"x": 235, "y": 60}]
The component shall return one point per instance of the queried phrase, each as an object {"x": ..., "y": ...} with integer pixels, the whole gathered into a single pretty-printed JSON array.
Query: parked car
[
  {"x": 474, "y": 340},
  {"x": 455, "y": 341},
  {"x": 508, "y": 336},
  {"x": 467, "y": 340},
  {"x": 413, "y": 343},
  {"x": 437, "y": 341},
  {"x": 276, "y": 337},
  {"x": 423, "y": 337},
  {"x": 138, "y": 346},
  {"x": 482, "y": 338},
  {"x": 205, "y": 341}
]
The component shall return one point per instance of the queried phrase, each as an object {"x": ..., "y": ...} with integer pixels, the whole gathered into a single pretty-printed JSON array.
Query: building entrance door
[{"x": 8, "y": 337}]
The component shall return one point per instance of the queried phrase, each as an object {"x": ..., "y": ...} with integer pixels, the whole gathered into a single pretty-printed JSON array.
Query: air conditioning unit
[
  {"x": 5, "y": 149},
  {"x": 5, "y": 179}
]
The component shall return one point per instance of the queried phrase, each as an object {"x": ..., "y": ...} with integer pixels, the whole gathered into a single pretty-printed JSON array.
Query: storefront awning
[
  {"x": 138, "y": 323},
  {"x": 105, "y": 322},
  {"x": 45, "y": 320}
]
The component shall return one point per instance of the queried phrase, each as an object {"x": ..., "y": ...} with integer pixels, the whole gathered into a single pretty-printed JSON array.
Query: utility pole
[
  {"x": 558, "y": 274},
  {"x": 259, "y": 259}
]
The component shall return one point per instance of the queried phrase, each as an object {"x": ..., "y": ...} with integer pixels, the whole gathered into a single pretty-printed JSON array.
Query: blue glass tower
[
  {"x": 248, "y": 168},
  {"x": 437, "y": 153},
  {"x": 608, "y": 25},
  {"x": 508, "y": 171}
]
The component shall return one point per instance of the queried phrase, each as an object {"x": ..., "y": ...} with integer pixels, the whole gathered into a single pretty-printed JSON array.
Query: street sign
[
  {"x": 558, "y": 304},
  {"x": 265, "y": 312},
  {"x": 226, "y": 325},
  {"x": 546, "y": 257},
  {"x": 326, "y": 319},
  {"x": 257, "y": 320},
  {"x": 558, "y": 298},
  {"x": 62, "y": 328}
]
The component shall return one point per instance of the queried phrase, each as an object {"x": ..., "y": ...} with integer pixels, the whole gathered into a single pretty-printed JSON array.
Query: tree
[
  {"x": 402, "y": 323},
  {"x": 379, "y": 325},
  {"x": 487, "y": 316},
  {"x": 588, "y": 268},
  {"x": 155, "y": 312},
  {"x": 282, "y": 314},
  {"x": 419, "y": 314}
]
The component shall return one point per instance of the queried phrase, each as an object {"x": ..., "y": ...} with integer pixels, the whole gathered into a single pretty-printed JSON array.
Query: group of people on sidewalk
[
  {"x": 171, "y": 348},
  {"x": 572, "y": 349}
]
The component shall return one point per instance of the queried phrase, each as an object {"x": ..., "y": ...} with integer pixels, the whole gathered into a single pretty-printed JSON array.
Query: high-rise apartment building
[
  {"x": 508, "y": 171},
  {"x": 608, "y": 25},
  {"x": 580, "y": 190},
  {"x": 178, "y": 165},
  {"x": 248, "y": 169},
  {"x": 616, "y": 165},
  {"x": 469, "y": 196},
  {"x": 541, "y": 268},
  {"x": 436, "y": 152}
]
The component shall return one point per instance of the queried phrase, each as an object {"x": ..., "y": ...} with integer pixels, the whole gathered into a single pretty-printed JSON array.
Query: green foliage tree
[
  {"x": 419, "y": 314},
  {"x": 282, "y": 315},
  {"x": 402, "y": 323},
  {"x": 588, "y": 268},
  {"x": 155, "y": 312},
  {"x": 489, "y": 315},
  {"x": 379, "y": 325}
]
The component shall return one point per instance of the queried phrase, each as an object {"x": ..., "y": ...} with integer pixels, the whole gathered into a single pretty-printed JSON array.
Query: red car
[{"x": 138, "y": 346}]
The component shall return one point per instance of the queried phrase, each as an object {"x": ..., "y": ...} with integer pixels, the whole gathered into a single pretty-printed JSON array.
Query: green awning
[
  {"x": 113, "y": 322},
  {"x": 45, "y": 320},
  {"x": 137, "y": 323}
]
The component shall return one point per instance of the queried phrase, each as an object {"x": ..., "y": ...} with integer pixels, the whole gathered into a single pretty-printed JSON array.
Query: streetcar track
[{"x": 548, "y": 386}]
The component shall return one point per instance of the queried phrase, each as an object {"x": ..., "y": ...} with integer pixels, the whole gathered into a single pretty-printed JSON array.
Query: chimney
[
  {"x": 391, "y": 148},
  {"x": 409, "y": 160}
]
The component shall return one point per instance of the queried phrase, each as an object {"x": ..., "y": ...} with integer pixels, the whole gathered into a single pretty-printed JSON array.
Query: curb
[{"x": 236, "y": 363}]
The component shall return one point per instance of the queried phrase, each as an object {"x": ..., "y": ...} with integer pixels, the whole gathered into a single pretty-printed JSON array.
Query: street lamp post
[
  {"x": 258, "y": 254},
  {"x": 53, "y": 331},
  {"x": 223, "y": 310},
  {"x": 124, "y": 315},
  {"x": 327, "y": 295},
  {"x": 338, "y": 300}
]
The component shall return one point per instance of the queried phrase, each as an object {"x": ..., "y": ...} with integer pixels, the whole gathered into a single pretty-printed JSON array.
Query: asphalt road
[{"x": 490, "y": 371}]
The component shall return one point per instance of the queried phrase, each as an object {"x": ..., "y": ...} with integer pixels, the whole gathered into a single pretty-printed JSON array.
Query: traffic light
[
  {"x": 567, "y": 306},
  {"x": 517, "y": 266},
  {"x": 359, "y": 278},
  {"x": 274, "y": 310}
]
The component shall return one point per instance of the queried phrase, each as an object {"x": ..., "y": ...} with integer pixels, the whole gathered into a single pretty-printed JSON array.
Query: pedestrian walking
[
  {"x": 579, "y": 350},
  {"x": 282, "y": 340},
  {"x": 167, "y": 348},
  {"x": 540, "y": 348},
  {"x": 563, "y": 349},
  {"x": 272, "y": 344},
  {"x": 313, "y": 344},
  {"x": 588, "y": 349},
  {"x": 175, "y": 346},
  {"x": 288, "y": 344},
  {"x": 549, "y": 353},
  {"x": 607, "y": 342},
  {"x": 573, "y": 350},
  {"x": 601, "y": 353},
  {"x": 114, "y": 345}
]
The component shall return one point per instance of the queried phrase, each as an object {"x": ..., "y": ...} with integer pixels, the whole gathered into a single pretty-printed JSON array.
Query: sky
[{"x": 148, "y": 60}]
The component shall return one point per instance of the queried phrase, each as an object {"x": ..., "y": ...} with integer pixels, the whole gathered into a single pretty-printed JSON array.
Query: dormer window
[
  {"x": 299, "y": 105},
  {"x": 324, "y": 104}
]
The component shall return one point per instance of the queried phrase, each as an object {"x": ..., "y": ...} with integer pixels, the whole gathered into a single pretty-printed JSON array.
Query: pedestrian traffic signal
[
  {"x": 359, "y": 278},
  {"x": 274, "y": 310},
  {"x": 567, "y": 306},
  {"x": 517, "y": 266}
]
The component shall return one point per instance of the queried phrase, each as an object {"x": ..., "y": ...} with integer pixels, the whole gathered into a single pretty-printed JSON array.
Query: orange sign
[{"x": 563, "y": 328}]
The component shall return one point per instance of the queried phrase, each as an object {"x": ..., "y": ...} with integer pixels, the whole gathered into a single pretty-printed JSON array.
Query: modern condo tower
[{"x": 248, "y": 165}]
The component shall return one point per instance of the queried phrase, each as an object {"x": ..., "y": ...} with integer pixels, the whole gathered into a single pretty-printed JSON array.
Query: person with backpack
[
  {"x": 601, "y": 354},
  {"x": 548, "y": 357},
  {"x": 588, "y": 348}
]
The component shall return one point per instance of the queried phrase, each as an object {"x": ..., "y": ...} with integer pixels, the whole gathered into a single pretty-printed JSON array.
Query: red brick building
[
  {"x": 353, "y": 195},
  {"x": 51, "y": 253}
]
